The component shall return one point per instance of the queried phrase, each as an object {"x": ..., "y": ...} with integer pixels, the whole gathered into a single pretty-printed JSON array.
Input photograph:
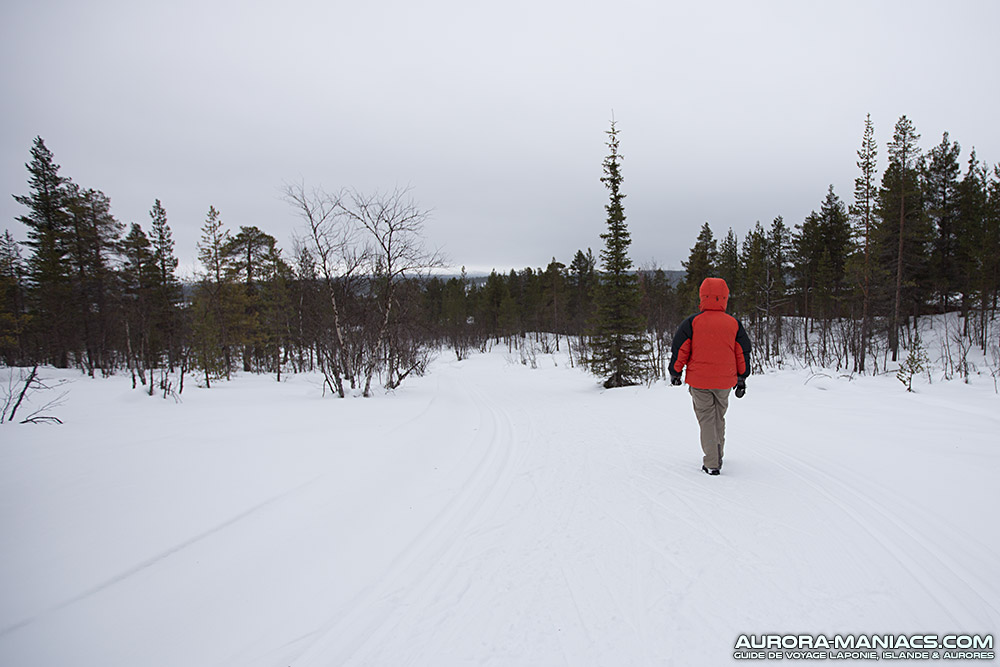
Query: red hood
[{"x": 714, "y": 294}]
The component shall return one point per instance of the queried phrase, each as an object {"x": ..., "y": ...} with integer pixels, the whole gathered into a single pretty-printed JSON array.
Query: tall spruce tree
[{"x": 619, "y": 343}]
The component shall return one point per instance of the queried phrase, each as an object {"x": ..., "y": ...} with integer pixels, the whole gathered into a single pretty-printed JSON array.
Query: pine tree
[
  {"x": 728, "y": 268},
  {"x": 989, "y": 254},
  {"x": 975, "y": 251},
  {"x": 821, "y": 247},
  {"x": 252, "y": 258},
  {"x": 863, "y": 213},
  {"x": 12, "y": 316},
  {"x": 217, "y": 303},
  {"x": 167, "y": 293},
  {"x": 754, "y": 264},
  {"x": 553, "y": 299},
  {"x": 900, "y": 207},
  {"x": 619, "y": 343},
  {"x": 49, "y": 236},
  {"x": 138, "y": 282},
  {"x": 941, "y": 203},
  {"x": 455, "y": 314},
  {"x": 582, "y": 280},
  {"x": 94, "y": 243}
]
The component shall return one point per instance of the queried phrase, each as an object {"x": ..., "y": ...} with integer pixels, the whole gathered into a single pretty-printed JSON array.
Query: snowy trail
[{"x": 492, "y": 515}]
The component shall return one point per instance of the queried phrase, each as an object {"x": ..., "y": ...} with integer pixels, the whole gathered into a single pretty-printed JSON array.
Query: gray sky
[{"x": 493, "y": 113}]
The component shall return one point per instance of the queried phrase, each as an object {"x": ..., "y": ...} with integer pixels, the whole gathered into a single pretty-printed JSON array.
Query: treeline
[
  {"x": 923, "y": 238},
  {"x": 844, "y": 287},
  {"x": 92, "y": 295}
]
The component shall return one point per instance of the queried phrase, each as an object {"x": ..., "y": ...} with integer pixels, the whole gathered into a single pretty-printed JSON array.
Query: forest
[{"x": 362, "y": 299}]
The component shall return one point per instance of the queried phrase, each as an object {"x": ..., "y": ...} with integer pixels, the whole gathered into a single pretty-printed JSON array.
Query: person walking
[{"x": 715, "y": 348}]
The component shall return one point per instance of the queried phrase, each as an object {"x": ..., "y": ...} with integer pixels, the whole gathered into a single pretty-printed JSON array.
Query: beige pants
[{"x": 710, "y": 407}]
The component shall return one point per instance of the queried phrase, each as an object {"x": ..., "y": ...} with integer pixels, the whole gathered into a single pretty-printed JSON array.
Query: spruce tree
[
  {"x": 701, "y": 264},
  {"x": 619, "y": 342}
]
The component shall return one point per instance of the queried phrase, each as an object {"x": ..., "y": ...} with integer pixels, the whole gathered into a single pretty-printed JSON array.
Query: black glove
[
  {"x": 741, "y": 388},
  {"x": 675, "y": 380}
]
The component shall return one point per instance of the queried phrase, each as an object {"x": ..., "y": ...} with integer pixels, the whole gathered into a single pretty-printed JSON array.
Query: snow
[{"x": 491, "y": 514}]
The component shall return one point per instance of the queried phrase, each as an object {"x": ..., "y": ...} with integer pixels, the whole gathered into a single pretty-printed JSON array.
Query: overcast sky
[{"x": 493, "y": 113}]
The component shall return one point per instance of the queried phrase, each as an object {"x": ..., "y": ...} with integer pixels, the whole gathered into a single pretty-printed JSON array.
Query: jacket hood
[{"x": 714, "y": 293}]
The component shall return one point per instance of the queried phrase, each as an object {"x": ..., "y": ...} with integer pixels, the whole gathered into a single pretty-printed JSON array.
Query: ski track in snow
[
  {"x": 552, "y": 524},
  {"x": 154, "y": 560}
]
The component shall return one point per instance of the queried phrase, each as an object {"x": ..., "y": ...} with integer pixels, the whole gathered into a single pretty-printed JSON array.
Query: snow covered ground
[{"x": 491, "y": 514}]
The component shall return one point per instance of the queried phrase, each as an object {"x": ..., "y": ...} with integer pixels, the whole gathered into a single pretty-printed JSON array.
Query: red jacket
[{"x": 713, "y": 345}]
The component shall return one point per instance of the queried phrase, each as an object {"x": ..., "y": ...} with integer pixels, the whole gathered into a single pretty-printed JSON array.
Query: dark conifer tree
[
  {"x": 12, "y": 314},
  {"x": 167, "y": 293},
  {"x": 974, "y": 248},
  {"x": 553, "y": 299},
  {"x": 701, "y": 264},
  {"x": 902, "y": 233},
  {"x": 619, "y": 343},
  {"x": 216, "y": 302},
  {"x": 582, "y": 279},
  {"x": 728, "y": 268},
  {"x": 754, "y": 264},
  {"x": 49, "y": 274},
  {"x": 455, "y": 314},
  {"x": 821, "y": 247},
  {"x": 941, "y": 203},
  {"x": 252, "y": 258},
  {"x": 138, "y": 284},
  {"x": 95, "y": 237},
  {"x": 863, "y": 214}
]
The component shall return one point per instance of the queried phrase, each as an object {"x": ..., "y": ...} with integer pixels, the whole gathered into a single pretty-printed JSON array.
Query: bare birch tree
[
  {"x": 333, "y": 241},
  {"x": 393, "y": 225}
]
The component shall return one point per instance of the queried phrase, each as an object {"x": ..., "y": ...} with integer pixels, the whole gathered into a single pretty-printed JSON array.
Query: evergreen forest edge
[{"x": 358, "y": 301}]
